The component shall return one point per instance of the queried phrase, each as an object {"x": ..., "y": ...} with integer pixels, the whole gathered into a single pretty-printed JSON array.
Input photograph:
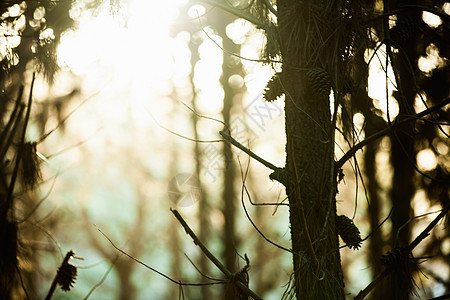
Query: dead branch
[
  {"x": 235, "y": 143},
  {"x": 244, "y": 188},
  {"x": 150, "y": 268},
  {"x": 213, "y": 259},
  {"x": 363, "y": 293},
  {"x": 103, "y": 278},
  {"x": 388, "y": 130}
]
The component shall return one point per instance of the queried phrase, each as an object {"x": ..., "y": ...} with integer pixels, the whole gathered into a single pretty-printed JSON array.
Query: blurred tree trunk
[
  {"x": 175, "y": 249},
  {"x": 310, "y": 133},
  {"x": 229, "y": 67},
  {"x": 203, "y": 207},
  {"x": 135, "y": 243},
  {"x": 403, "y": 156},
  {"x": 402, "y": 146},
  {"x": 373, "y": 124}
]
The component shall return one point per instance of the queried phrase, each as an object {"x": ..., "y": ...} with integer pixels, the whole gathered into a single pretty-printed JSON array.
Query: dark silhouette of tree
[
  {"x": 319, "y": 53},
  {"x": 34, "y": 28},
  {"x": 320, "y": 47}
]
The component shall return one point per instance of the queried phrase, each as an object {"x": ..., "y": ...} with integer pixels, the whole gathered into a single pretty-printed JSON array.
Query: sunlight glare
[
  {"x": 432, "y": 20},
  {"x": 377, "y": 87},
  {"x": 431, "y": 61},
  {"x": 426, "y": 160}
]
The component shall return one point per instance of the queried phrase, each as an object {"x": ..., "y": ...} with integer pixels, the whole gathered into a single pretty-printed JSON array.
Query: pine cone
[
  {"x": 273, "y": 89},
  {"x": 348, "y": 232},
  {"x": 66, "y": 276},
  {"x": 320, "y": 81}
]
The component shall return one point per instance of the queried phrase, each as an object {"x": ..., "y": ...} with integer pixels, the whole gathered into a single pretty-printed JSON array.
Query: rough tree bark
[{"x": 309, "y": 132}]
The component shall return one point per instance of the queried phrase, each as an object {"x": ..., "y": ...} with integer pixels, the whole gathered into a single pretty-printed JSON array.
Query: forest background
[{"x": 110, "y": 116}]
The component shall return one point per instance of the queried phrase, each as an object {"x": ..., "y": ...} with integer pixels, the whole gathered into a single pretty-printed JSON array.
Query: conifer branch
[
  {"x": 350, "y": 153},
  {"x": 363, "y": 293},
  {"x": 237, "y": 12}
]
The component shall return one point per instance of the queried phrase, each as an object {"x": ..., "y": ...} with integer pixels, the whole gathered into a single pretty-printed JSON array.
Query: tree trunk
[
  {"x": 203, "y": 206},
  {"x": 228, "y": 196},
  {"x": 310, "y": 132}
]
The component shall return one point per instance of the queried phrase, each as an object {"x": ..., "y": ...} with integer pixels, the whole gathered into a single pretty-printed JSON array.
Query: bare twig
[
  {"x": 235, "y": 54},
  {"x": 363, "y": 293},
  {"x": 403, "y": 8},
  {"x": 386, "y": 131},
  {"x": 103, "y": 278},
  {"x": 270, "y": 7},
  {"x": 22, "y": 283},
  {"x": 32, "y": 211},
  {"x": 244, "y": 188},
  {"x": 211, "y": 257},
  {"x": 201, "y": 273},
  {"x": 150, "y": 268},
  {"x": 237, "y": 12},
  {"x": 180, "y": 135},
  {"x": 427, "y": 230},
  {"x": 43, "y": 137},
  {"x": 235, "y": 143}
]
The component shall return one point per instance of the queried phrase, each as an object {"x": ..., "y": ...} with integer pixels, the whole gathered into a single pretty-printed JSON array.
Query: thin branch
[
  {"x": 270, "y": 7},
  {"x": 21, "y": 282},
  {"x": 388, "y": 130},
  {"x": 363, "y": 293},
  {"x": 213, "y": 259},
  {"x": 201, "y": 273},
  {"x": 403, "y": 8},
  {"x": 200, "y": 115},
  {"x": 103, "y": 278},
  {"x": 148, "y": 267},
  {"x": 237, "y": 12},
  {"x": 180, "y": 135},
  {"x": 235, "y": 54},
  {"x": 427, "y": 230},
  {"x": 32, "y": 211},
  {"x": 235, "y": 143},
  {"x": 43, "y": 137},
  {"x": 244, "y": 188}
]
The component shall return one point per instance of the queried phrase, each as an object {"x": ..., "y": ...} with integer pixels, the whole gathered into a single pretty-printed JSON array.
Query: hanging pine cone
[
  {"x": 273, "y": 89},
  {"x": 67, "y": 273},
  {"x": 320, "y": 81},
  {"x": 348, "y": 232}
]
